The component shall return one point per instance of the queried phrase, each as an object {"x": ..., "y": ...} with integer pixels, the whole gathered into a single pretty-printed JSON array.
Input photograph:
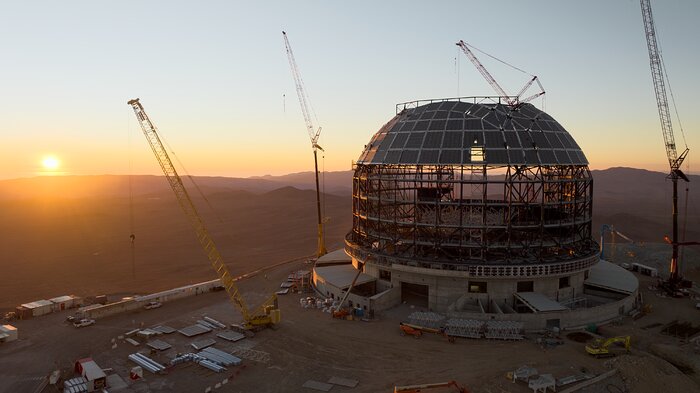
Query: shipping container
[{"x": 39, "y": 307}]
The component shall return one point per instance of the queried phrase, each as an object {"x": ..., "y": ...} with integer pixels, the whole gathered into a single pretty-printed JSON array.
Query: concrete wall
[
  {"x": 446, "y": 287},
  {"x": 570, "y": 319},
  {"x": 101, "y": 311}
]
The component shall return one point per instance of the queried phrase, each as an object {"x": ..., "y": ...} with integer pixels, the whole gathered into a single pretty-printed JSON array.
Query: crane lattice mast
[
  {"x": 674, "y": 159},
  {"x": 260, "y": 316},
  {"x": 313, "y": 135}
]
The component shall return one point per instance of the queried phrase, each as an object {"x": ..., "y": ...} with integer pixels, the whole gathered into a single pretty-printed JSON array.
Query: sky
[{"x": 214, "y": 77}]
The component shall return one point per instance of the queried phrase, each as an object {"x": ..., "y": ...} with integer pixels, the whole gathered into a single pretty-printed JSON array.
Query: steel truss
[{"x": 456, "y": 216}]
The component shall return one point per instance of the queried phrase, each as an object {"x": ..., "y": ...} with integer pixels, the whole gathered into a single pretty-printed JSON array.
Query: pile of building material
[
  {"x": 231, "y": 336},
  {"x": 159, "y": 345},
  {"x": 504, "y": 330},
  {"x": 146, "y": 363},
  {"x": 201, "y": 344},
  {"x": 312, "y": 302},
  {"x": 542, "y": 383},
  {"x": 215, "y": 323},
  {"x": 202, "y": 361},
  {"x": 194, "y": 330},
  {"x": 219, "y": 357},
  {"x": 467, "y": 328},
  {"x": 163, "y": 329},
  {"x": 429, "y": 320},
  {"x": 75, "y": 385},
  {"x": 523, "y": 373}
]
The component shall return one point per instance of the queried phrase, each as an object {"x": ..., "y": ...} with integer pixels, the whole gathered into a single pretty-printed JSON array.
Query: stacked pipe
[
  {"x": 202, "y": 361},
  {"x": 146, "y": 362},
  {"x": 215, "y": 322},
  {"x": 468, "y": 328},
  {"x": 429, "y": 320},
  {"x": 504, "y": 330}
]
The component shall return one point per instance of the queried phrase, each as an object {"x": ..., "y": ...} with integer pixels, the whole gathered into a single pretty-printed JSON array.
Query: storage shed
[
  {"x": 64, "y": 302},
  {"x": 96, "y": 378}
]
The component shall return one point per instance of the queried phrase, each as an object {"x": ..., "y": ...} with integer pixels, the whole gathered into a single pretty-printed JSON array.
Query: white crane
[{"x": 313, "y": 135}]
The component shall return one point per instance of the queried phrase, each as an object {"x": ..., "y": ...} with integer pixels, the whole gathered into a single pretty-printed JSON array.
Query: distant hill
[
  {"x": 70, "y": 234},
  {"x": 338, "y": 183},
  {"x": 638, "y": 203}
]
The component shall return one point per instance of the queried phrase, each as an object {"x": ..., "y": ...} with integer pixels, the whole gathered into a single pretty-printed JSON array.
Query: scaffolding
[{"x": 465, "y": 194}]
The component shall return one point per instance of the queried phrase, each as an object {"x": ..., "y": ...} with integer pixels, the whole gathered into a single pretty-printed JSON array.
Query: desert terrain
[{"x": 70, "y": 234}]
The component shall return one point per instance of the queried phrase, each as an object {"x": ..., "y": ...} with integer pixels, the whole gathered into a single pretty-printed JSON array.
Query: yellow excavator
[
  {"x": 268, "y": 314},
  {"x": 600, "y": 347}
]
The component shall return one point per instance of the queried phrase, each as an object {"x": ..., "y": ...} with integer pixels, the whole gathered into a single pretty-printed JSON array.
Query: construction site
[{"x": 471, "y": 263}]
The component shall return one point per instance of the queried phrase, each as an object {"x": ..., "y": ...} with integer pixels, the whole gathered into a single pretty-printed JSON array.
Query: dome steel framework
[{"x": 473, "y": 184}]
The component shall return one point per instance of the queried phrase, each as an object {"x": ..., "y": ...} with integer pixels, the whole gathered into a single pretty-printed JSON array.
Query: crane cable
[
  {"x": 498, "y": 60},
  {"x": 132, "y": 236},
  {"x": 196, "y": 186},
  {"x": 673, "y": 100}
]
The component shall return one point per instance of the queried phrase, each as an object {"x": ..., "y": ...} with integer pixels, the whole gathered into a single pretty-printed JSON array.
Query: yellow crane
[
  {"x": 600, "y": 347},
  {"x": 268, "y": 313}
]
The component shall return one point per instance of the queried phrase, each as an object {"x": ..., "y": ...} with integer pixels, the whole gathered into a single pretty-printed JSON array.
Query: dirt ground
[
  {"x": 309, "y": 344},
  {"x": 53, "y": 245}
]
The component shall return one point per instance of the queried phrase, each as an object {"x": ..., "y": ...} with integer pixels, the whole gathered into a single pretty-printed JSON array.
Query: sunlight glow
[{"x": 50, "y": 163}]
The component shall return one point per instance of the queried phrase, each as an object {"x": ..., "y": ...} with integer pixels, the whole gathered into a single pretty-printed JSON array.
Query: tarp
[
  {"x": 341, "y": 276},
  {"x": 612, "y": 277},
  {"x": 538, "y": 302}
]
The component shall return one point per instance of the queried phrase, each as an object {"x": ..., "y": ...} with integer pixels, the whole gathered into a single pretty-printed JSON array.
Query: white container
[
  {"x": 11, "y": 332},
  {"x": 39, "y": 307}
]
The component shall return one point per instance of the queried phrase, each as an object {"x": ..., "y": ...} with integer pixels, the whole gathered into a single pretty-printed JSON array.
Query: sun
[{"x": 50, "y": 163}]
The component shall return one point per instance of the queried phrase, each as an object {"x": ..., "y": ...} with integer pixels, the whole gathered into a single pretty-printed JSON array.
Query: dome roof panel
[{"x": 445, "y": 132}]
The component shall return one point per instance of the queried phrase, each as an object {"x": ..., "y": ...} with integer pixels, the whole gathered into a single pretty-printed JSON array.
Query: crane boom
[
  {"x": 674, "y": 159},
  {"x": 314, "y": 135},
  {"x": 260, "y": 317},
  {"x": 301, "y": 93},
  {"x": 513, "y": 101},
  {"x": 657, "y": 75},
  {"x": 484, "y": 72}
]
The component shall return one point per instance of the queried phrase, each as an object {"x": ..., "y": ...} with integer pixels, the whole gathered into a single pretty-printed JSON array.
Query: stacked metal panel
[
  {"x": 202, "y": 361},
  {"x": 426, "y": 319},
  {"x": 468, "y": 328},
  {"x": 219, "y": 357},
  {"x": 75, "y": 385},
  {"x": 231, "y": 336},
  {"x": 214, "y": 322},
  {"x": 504, "y": 330}
]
